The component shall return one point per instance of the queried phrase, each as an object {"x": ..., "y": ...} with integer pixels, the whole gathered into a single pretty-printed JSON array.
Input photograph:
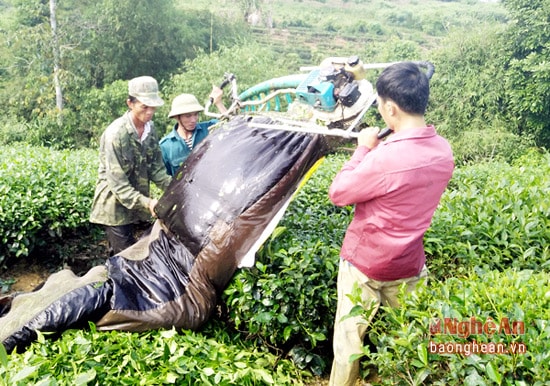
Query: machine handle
[
  {"x": 384, "y": 133},
  {"x": 227, "y": 79}
]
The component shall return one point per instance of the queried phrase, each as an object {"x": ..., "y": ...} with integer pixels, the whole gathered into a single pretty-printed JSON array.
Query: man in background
[
  {"x": 129, "y": 159},
  {"x": 188, "y": 132}
]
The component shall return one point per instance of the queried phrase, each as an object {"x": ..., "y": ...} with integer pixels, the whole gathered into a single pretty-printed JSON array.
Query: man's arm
[{"x": 358, "y": 180}]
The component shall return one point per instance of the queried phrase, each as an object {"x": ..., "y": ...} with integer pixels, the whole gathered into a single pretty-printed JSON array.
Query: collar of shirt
[
  {"x": 417, "y": 132},
  {"x": 146, "y": 131},
  {"x": 201, "y": 129},
  {"x": 146, "y": 128}
]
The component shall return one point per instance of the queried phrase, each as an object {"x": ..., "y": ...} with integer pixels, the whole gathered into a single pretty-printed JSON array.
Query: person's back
[
  {"x": 395, "y": 186},
  {"x": 406, "y": 177}
]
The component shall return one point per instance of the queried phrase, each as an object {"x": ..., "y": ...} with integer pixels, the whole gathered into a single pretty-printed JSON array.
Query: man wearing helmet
[{"x": 188, "y": 132}]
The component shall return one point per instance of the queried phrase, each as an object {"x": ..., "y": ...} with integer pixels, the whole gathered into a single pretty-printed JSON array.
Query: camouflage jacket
[{"x": 126, "y": 167}]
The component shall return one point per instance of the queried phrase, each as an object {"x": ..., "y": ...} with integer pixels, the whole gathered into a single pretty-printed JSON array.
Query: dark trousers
[{"x": 121, "y": 237}]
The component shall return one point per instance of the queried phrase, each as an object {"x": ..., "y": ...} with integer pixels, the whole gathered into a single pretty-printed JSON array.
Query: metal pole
[{"x": 312, "y": 129}]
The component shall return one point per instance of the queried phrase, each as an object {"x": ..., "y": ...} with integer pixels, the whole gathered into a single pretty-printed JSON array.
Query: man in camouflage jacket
[{"x": 129, "y": 159}]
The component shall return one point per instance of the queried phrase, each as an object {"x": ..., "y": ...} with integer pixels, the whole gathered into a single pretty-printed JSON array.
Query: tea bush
[
  {"x": 211, "y": 357},
  {"x": 43, "y": 194},
  {"x": 413, "y": 345},
  {"x": 493, "y": 215}
]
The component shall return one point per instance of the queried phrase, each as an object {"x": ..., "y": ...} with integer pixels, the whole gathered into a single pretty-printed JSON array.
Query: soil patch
[
  {"x": 23, "y": 277},
  {"x": 79, "y": 254}
]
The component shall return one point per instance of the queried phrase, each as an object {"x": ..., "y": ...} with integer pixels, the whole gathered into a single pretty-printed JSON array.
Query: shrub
[
  {"x": 493, "y": 215},
  {"x": 468, "y": 87},
  {"x": 74, "y": 127},
  {"x": 211, "y": 357},
  {"x": 366, "y": 27},
  {"x": 13, "y": 131},
  {"x": 411, "y": 349},
  {"x": 110, "y": 101},
  {"x": 402, "y": 18},
  {"x": 478, "y": 146},
  {"x": 43, "y": 194},
  {"x": 289, "y": 299}
]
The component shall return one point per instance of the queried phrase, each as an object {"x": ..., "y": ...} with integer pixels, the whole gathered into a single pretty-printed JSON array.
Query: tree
[
  {"x": 468, "y": 85},
  {"x": 58, "y": 50},
  {"x": 27, "y": 60},
  {"x": 528, "y": 69},
  {"x": 496, "y": 79},
  {"x": 249, "y": 7},
  {"x": 56, "y": 56}
]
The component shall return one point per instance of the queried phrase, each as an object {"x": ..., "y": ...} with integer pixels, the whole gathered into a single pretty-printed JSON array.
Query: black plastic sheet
[{"x": 210, "y": 217}]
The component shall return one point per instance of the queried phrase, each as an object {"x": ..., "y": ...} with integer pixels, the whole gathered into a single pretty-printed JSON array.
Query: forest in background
[{"x": 491, "y": 87}]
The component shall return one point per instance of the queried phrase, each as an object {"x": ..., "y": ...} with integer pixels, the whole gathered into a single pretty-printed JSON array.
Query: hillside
[{"x": 335, "y": 27}]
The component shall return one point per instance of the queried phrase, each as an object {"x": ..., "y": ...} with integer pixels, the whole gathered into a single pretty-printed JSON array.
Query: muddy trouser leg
[{"x": 119, "y": 237}]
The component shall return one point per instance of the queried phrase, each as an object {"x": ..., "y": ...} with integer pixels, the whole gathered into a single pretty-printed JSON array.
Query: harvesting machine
[{"x": 330, "y": 99}]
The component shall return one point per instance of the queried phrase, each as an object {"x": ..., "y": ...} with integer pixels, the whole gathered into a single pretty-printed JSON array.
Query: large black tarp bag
[{"x": 215, "y": 213}]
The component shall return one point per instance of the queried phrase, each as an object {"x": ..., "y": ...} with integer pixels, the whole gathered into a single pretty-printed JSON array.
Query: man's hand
[
  {"x": 216, "y": 98},
  {"x": 368, "y": 137},
  {"x": 216, "y": 94},
  {"x": 152, "y": 203}
]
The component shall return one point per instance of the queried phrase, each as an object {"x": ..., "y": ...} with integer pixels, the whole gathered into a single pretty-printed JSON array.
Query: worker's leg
[
  {"x": 389, "y": 290},
  {"x": 350, "y": 332},
  {"x": 119, "y": 237}
]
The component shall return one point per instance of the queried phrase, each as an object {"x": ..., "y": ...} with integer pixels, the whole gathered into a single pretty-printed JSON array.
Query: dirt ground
[
  {"x": 22, "y": 277},
  {"x": 26, "y": 273}
]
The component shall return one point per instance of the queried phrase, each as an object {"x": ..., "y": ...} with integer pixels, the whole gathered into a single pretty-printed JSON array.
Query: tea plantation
[{"x": 488, "y": 257}]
